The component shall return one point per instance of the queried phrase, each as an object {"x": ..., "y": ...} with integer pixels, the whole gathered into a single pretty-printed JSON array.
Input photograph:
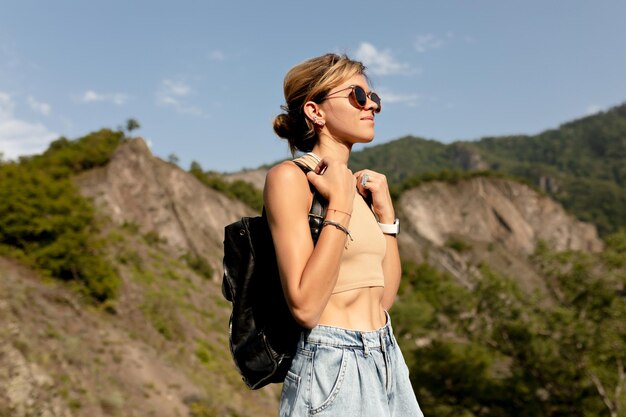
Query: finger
[
  {"x": 312, "y": 176},
  {"x": 321, "y": 167},
  {"x": 317, "y": 181}
]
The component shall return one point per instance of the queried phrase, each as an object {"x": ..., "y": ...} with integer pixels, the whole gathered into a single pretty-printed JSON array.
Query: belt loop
[
  {"x": 304, "y": 336},
  {"x": 366, "y": 348},
  {"x": 383, "y": 348}
]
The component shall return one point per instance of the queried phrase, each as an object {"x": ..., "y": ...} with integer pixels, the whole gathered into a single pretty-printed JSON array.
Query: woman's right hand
[{"x": 335, "y": 182}]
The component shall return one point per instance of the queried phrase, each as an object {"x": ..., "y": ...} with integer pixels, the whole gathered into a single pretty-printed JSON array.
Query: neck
[{"x": 328, "y": 147}]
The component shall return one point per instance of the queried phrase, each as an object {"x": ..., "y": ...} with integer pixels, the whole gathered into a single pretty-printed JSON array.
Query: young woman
[{"x": 348, "y": 362}]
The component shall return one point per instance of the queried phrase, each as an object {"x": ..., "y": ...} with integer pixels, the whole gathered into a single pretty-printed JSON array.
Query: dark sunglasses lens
[
  {"x": 360, "y": 96},
  {"x": 376, "y": 99}
]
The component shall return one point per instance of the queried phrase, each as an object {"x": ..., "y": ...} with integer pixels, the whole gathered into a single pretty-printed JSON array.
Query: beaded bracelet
[{"x": 338, "y": 226}]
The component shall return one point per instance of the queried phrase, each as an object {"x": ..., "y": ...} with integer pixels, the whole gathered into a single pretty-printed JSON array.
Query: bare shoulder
[
  {"x": 286, "y": 182},
  {"x": 285, "y": 174}
]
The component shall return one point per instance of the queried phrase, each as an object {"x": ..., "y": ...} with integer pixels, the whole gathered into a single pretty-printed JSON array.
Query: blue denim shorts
[{"x": 341, "y": 372}]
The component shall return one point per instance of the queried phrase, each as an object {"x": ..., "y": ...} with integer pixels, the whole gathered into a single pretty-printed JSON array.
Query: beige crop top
[{"x": 361, "y": 264}]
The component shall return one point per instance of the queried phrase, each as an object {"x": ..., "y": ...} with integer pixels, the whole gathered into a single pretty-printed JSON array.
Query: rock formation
[
  {"x": 138, "y": 188},
  {"x": 495, "y": 210},
  {"x": 487, "y": 221}
]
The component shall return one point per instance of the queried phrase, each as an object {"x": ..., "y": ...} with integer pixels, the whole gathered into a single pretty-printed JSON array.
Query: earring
[{"x": 319, "y": 122}]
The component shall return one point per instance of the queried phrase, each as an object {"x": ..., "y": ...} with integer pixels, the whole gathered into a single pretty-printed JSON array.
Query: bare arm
[
  {"x": 392, "y": 270},
  {"x": 382, "y": 206},
  {"x": 308, "y": 274}
]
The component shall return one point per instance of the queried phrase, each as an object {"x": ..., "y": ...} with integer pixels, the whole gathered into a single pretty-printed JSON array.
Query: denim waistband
[{"x": 340, "y": 337}]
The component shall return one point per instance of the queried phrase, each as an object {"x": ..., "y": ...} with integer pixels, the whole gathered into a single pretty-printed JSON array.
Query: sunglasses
[{"x": 360, "y": 97}]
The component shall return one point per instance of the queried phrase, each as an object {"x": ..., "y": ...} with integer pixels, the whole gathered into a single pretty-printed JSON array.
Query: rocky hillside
[
  {"x": 256, "y": 177},
  {"x": 487, "y": 220},
  {"x": 581, "y": 164},
  {"x": 137, "y": 188},
  {"x": 160, "y": 348}
]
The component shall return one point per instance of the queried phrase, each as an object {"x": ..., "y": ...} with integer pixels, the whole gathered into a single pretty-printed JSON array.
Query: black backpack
[{"x": 263, "y": 333}]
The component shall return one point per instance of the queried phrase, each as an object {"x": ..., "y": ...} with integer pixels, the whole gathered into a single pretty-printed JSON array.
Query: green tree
[
  {"x": 173, "y": 159},
  {"x": 132, "y": 124},
  {"x": 241, "y": 190},
  {"x": 494, "y": 350}
]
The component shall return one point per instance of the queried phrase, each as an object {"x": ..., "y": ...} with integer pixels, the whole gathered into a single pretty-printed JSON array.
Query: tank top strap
[{"x": 309, "y": 159}]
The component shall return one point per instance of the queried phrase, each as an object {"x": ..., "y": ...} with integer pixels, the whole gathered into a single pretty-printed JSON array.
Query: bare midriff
[{"x": 358, "y": 309}]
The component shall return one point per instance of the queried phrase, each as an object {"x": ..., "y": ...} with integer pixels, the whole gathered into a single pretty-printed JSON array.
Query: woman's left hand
[{"x": 373, "y": 184}]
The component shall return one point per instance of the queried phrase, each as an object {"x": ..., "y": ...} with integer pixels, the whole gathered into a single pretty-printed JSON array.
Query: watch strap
[{"x": 390, "y": 229}]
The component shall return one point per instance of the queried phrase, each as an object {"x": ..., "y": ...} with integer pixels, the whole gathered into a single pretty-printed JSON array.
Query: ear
[{"x": 312, "y": 111}]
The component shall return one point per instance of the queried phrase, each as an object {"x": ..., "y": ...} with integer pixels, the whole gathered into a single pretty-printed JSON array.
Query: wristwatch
[{"x": 391, "y": 229}]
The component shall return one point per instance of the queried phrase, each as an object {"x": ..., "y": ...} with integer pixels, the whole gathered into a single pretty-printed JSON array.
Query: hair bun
[{"x": 282, "y": 126}]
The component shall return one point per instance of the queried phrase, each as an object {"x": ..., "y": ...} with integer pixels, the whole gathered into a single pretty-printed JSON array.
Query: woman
[{"x": 348, "y": 362}]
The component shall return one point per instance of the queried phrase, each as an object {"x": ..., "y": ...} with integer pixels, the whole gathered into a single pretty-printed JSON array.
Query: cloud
[
  {"x": 91, "y": 96},
  {"x": 38, "y": 106},
  {"x": 217, "y": 55},
  {"x": 380, "y": 62},
  {"x": 428, "y": 41},
  {"x": 19, "y": 137},
  {"x": 593, "y": 109},
  {"x": 173, "y": 94},
  {"x": 389, "y": 97},
  {"x": 176, "y": 88}
]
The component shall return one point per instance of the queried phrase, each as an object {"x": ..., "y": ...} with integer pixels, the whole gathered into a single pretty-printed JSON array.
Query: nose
[{"x": 373, "y": 105}]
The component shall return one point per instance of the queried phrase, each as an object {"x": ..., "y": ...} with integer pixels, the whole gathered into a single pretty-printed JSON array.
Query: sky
[{"x": 204, "y": 78}]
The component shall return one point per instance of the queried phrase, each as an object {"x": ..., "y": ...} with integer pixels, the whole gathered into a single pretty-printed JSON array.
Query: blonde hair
[{"x": 310, "y": 80}]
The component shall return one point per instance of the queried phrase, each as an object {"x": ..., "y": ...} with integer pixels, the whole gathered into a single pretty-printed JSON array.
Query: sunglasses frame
[{"x": 353, "y": 95}]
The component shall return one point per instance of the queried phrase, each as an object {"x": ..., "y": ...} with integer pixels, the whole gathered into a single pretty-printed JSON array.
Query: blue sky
[{"x": 204, "y": 78}]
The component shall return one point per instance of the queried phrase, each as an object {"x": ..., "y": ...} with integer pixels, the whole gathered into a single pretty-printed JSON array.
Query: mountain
[
  {"x": 490, "y": 221},
  {"x": 582, "y": 164},
  {"x": 110, "y": 300},
  {"x": 159, "y": 348},
  {"x": 593, "y": 146},
  {"x": 137, "y": 188}
]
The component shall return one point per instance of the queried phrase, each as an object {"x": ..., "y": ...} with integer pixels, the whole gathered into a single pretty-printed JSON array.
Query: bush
[
  {"x": 51, "y": 225},
  {"x": 64, "y": 157},
  {"x": 240, "y": 190},
  {"x": 494, "y": 350},
  {"x": 199, "y": 265},
  {"x": 45, "y": 221},
  {"x": 458, "y": 244}
]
